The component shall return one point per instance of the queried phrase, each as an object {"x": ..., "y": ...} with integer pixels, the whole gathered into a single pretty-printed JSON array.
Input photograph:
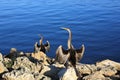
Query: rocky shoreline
[{"x": 38, "y": 66}]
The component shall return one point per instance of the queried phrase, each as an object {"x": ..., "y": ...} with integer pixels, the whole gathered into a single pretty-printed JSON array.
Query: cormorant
[
  {"x": 70, "y": 56},
  {"x": 41, "y": 47}
]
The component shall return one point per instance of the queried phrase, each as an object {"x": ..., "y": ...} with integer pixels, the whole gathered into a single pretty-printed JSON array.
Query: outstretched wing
[
  {"x": 79, "y": 53},
  {"x": 47, "y": 46},
  {"x": 36, "y": 47},
  {"x": 61, "y": 55}
]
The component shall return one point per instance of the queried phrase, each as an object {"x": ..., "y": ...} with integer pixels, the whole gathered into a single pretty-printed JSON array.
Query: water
[{"x": 94, "y": 23}]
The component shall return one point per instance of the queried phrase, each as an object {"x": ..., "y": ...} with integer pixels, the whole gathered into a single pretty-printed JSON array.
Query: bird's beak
[
  {"x": 40, "y": 35},
  {"x": 64, "y": 28}
]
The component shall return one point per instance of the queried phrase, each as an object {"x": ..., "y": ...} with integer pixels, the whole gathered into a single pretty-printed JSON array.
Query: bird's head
[
  {"x": 65, "y": 28},
  {"x": 41, "y": 40}
]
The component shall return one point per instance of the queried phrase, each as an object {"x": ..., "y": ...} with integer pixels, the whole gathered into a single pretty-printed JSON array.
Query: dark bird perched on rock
[
  {"x": 13, "y": 53},
  {"x": 41, "y": 47},
  {"x": 70, "y": 56}
]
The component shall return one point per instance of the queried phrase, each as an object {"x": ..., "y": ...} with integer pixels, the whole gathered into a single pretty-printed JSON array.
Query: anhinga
[
  {"x": 70, "y": 55},
  {"x": 41, "y": 47}
]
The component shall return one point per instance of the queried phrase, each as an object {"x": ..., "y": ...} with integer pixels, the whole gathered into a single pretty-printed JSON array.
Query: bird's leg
[{"x": 78, "y": 73}]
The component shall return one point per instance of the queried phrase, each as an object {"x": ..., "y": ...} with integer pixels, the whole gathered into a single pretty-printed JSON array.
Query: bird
[
  {"x": 41, "y": 47},
  {"x": 71, "y": 55}
]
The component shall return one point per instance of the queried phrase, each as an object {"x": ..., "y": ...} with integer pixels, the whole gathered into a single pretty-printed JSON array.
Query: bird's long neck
[
  {"x": 70, "y": 40},
  {"x": 41, "y": 40}
]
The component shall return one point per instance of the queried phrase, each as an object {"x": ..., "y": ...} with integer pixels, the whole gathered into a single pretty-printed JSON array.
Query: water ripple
[{"x": 93, "y": 23}]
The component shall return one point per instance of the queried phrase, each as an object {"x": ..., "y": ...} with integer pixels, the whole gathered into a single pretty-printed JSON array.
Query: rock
[
  {"x": 7, "y": 62},
  {"x": 45, "y": 69},
  {"x": 35, "y": 67},
  {"x": 46, "y": 78},
  {"x": 108, "y": 71},
  {"x": 22, "y": 74},
  {"x": 40, "y": 56},
  {"x": 2, "y": 67},
  {"x": 27, "y": 54},
  {"x": 105, "y": 71},
  {"x": 1, "y": 57},
  {"x": 67, "y": 74},
  {"x": 21, "y": 54},
  {"x": 50, "y": 60},
  {"x": 108, "y": 62},
  {"x": 50, "y": 71},
  {"x": 58, "y": 65},
  {"x": 26, "y": 63},
  {"x": 86, "y": 68},
  {"x": 101, "y": 74},
  {"x": 41, "y": 77},
  {"x": 115, "y": 77},
  {"x": 96, "y": 76}
]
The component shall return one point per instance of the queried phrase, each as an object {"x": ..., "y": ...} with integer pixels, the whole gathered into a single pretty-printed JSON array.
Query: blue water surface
[{"x": 94, "y": 23}]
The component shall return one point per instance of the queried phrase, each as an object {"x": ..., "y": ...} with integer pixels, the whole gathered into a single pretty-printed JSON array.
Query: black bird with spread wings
[
  {"x": 41, "y": 47},
  {"x": 70, "y": 55}
]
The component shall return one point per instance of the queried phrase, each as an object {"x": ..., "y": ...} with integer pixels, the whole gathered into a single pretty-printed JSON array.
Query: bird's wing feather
[
  {"x": 47, "y": 46},
  {"x": 36, "y": 47},
  {"x": 61, "y": 55},
  {"x": 80, "y": 53}
]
